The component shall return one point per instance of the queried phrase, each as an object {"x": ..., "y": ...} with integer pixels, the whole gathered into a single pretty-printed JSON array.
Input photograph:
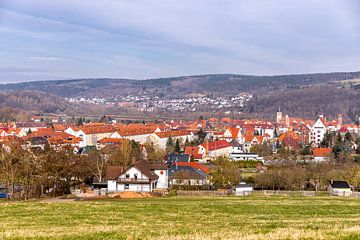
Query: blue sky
[{"x": 63, "y": 39}]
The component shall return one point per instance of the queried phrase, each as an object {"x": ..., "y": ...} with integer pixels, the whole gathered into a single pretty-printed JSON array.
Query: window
[
  {"x": 127, "y": 175},
  {"x": 126, "y": 186},
  {"x": 135, "y": 176}
]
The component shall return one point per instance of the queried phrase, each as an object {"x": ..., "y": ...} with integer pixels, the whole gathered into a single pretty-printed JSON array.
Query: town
[
  {"x": 52, "y": 156},
  {"x": 149, "y": 103}
]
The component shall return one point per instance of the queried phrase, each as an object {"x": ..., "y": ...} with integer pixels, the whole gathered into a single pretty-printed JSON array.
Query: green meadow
[{"x": 256, "y": 217}]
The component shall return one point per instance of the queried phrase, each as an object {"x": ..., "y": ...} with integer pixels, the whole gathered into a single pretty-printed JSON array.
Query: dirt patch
[{"x": 129, "y": 194}]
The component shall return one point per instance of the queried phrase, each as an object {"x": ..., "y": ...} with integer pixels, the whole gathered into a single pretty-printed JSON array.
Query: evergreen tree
[
  {"x": 103, "y": 119},
  {"x": 80, "y": 121},
  {"x": 187, "y": 143},
  {"x": 177, "y": 146},
  {"x": 348, "y": 137},
  {"x": 169, "y": 145}
]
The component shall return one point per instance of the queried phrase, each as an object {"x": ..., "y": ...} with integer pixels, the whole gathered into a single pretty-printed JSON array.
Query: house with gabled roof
[
  {"x": 233, "y": 133},
  {"x": 195, "y": 152},
  {"x": 137, "y": 132},
  {"x": 141, "y": 176},
  {"x": 160, "y": 139},
  {"x": 189, "y": 174},
  {"x": 252, "y": 140},
  {"x": 321, "y": 154},
  {"x": 90, "y": 134},
  {"x": 30, "y": 126},
  {"x": 215, "y": 149},
  {"x": 318, "y": 130}
]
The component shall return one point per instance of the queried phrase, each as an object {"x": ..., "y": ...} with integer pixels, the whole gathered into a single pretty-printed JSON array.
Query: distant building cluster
[{"x": 146, "y": 103}]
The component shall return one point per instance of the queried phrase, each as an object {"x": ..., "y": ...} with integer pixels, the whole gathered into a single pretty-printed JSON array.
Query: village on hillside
[{"x": 91, "y": 158}]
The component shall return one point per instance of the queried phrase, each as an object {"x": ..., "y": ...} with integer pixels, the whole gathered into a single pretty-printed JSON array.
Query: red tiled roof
[
  {"x": 194, "y": 151},
  {"x": 234, "y": 132},
  {"x": 174, "y": 133},
  {"x": 291, "y": 135},
  {"x": 322, "y": 152},
  {"x": 97, "y": 129},
  {"x": 248, "y": 137},
  {"x": 137, "y": 129},
  {"x": 211, "y": 146}
]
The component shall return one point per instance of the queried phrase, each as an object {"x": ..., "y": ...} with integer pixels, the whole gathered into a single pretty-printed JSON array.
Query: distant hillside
[
  {"x": 308, "y": 102},
  {"x": 304, "y": 95},
  {"x": 178, "y": 86}
]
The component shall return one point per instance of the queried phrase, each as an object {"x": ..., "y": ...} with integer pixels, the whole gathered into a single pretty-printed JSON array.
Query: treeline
[
  {"x": 33, "y": 100},
  {"x": 178, "y": 86},
  {"x": 310, "y": 176},
  {"x": 308, "y": 103},
  {"x": 23, "y": 104},
  {"x": 35, "y": 172}
]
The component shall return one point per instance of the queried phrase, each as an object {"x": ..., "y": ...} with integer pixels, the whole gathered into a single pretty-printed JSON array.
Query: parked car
[{"x": 3, "y": 195}]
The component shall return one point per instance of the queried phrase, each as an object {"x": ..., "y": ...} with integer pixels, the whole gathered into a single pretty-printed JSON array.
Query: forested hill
[
  {"x": 178, "y": 86},
  {"x": 305, "y": 95}
]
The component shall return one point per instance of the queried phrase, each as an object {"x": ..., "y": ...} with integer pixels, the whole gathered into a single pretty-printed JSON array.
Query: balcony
[{"x": 133, "y": 180}]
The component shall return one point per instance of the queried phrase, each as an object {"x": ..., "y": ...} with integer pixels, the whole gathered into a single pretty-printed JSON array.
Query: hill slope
[
  {"x": 305, "y": 95},
  {"x": 177, "y": 86}
]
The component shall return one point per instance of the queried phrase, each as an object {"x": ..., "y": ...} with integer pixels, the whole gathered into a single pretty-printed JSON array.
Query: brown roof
[
  {"x": 113, "y": 172},
  {"x": 144, "y": 167}
]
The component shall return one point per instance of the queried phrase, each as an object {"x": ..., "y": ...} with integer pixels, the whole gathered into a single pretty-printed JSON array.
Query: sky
[{"x": 142, "y": 39}]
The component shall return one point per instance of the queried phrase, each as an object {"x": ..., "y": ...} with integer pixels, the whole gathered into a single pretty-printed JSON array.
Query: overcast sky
[{"x": 62, "y": 39}]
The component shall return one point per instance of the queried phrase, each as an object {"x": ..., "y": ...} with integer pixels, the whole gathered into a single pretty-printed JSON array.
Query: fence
[
  {"x": 204, "y": 193},
  {"x": 261, "y": 193}
]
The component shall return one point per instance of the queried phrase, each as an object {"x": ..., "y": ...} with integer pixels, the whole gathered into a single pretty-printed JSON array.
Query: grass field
[{"x": 184, "y": 218}]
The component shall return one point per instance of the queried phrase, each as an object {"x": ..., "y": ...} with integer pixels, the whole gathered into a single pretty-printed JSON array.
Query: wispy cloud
[
  {"x": 46, "y": 58},
  {"x": 152, "y": 38}
]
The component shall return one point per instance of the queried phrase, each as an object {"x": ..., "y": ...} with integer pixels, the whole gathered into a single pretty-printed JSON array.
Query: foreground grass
[{"x": 184, "y": 218}]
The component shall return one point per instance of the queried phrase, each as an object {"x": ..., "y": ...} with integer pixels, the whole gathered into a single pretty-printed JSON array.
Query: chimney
[{"x": 133, "y": 160}]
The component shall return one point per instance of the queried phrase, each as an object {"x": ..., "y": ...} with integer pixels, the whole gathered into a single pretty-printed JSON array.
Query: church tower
[{"x": 278, "y": 116}]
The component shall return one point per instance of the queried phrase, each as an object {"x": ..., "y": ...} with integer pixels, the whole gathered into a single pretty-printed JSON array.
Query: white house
[
  {"x": 90, "y": 135},
  {"x": 234, "y": 133},
  {"x": 215, "y": 149},
  {"x": 30, "y": 126},
  {"x": 317, "y": 131},
  {"x": 141, "y": 176},
  {"x": 160, "y": 139}
]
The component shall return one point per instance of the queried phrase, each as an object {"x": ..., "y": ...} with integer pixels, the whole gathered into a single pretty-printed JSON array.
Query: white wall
[
  {"x": 132, "y": 171},
  {"x": 162, "y": 182},
  {"x": 134, "y": 187},
  {"x": 111, "y": 185}
]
